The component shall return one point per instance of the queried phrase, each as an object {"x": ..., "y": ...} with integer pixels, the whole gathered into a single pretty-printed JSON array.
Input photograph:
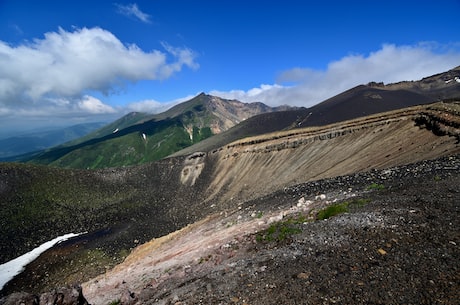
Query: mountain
[
  {"x": 138, "y": 137},
  {"x": 332, "y": 213},
  {"x": 356, "y": 102},
  {"x": 35, "y": 141},
  {"x": 377, "y": 97},
  {"x": 232, "y": 213}
]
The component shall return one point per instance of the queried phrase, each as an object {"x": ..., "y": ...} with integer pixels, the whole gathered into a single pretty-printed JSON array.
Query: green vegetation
[
  {"x": 134, "y": 139},
  {"x": 204, "y": 259},
  {"x": 376, "y": 186},
  {"x": 154, "y": 143},
  {"x": 332, "y": 210},
  {"x": 279, "y": 231},
  {"x": 340, "y": 208},
  {"x": 115, "y": 302}
]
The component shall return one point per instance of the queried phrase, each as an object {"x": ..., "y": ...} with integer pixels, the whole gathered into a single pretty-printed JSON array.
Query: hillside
[
  {"x": 138, "y": 137},
  {"x": 360, "y": 101},
  {"x": 240, "y": 190}
]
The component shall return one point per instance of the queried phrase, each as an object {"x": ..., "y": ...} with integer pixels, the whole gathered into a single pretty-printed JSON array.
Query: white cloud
[
  {"x": 132, "y": 10},
  {"x": 93, "y": 105},
  {"x": 149, "y": 106},
  {"x": 307, "y": 87},
  {"x": 263, "y": 92},
  {"x": 65, "y": 64},
  {"x": 152, "y": 106}
]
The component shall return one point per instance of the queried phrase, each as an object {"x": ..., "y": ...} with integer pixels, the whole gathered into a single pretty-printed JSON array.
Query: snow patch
[{"x": 15, "y": 266}]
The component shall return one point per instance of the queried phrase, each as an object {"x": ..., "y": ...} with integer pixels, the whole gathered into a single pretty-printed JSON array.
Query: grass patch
[
  {"x": 332, "y": 210},
  {"x": 280, "y": 231},
  {"x": 340, "y": 208},
  {"x": 376, "y": 186}
]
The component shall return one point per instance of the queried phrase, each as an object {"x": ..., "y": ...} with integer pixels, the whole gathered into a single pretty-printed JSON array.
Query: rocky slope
[
  {"x": 125, "y": 207},
  {"x": 397, "y": 242},
  {"x": 360, "y": 101}
]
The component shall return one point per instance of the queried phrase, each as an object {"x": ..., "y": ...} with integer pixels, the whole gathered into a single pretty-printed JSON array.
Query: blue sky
[{"x": 67, "y": 62}]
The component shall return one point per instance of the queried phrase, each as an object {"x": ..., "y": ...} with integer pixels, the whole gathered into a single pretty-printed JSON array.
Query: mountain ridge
[
  {"x": 355, "y": 102},
  {"x": 248, "y": 197},
  {"x": 206, "y": 116},
  {"x": 139, "y": 137}
]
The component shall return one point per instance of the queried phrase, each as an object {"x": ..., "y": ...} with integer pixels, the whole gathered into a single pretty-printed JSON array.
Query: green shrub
[
  {"x": 332, "y": 210},
  {"x": 282, "y": 230},
  {"x": 340, "y": 208},
  {"x": 376, "y": 186}
]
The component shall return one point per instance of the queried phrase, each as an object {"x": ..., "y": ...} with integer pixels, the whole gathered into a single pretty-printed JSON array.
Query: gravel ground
[
  {"x": 397, "y": 244},
  {"x": 400, "y": 247}
]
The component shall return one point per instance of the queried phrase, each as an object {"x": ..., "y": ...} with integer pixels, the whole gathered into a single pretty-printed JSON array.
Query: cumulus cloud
[
  {"x": 132, "y": 10},
  {"x": 64, "y": 65},
  {"x": 148, "y": 106},
  {"x": 391, "y": 63},
  {"x": 152, "y": 106},
  {"x": 262, "y": 93},
  {"x": 93, "y": 105}
]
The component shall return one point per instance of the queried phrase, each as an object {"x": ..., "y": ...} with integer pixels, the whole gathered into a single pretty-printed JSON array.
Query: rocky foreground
[{"x": 396, "y": 242}]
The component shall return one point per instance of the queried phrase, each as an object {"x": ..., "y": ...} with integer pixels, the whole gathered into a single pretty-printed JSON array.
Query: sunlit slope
[
  {"x": 138, "y": 138},
  {"x": 258, "y": 165},
  {"x": 133, "y": 148}
]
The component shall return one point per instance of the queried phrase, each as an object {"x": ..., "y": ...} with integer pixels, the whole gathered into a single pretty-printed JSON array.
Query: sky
[{"x": 70, "y": 62}]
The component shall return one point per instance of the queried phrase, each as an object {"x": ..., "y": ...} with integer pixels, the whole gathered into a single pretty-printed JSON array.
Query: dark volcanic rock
[
  {"x": 20, "y": 298},
  {"x": 399, "y": 248},
  {"x": 62, "y": 296}
]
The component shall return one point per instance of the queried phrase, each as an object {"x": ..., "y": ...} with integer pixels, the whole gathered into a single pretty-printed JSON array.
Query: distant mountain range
[
  {"x": 207, "y": 122},
  {"x": 39, "y": 140}
]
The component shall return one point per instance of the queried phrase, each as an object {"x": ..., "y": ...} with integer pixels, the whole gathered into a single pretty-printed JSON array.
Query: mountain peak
[{"x": 140, "y": 137}]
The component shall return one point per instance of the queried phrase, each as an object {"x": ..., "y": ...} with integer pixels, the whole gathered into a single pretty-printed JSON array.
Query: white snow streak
[{"x": 15, "y": 266}]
